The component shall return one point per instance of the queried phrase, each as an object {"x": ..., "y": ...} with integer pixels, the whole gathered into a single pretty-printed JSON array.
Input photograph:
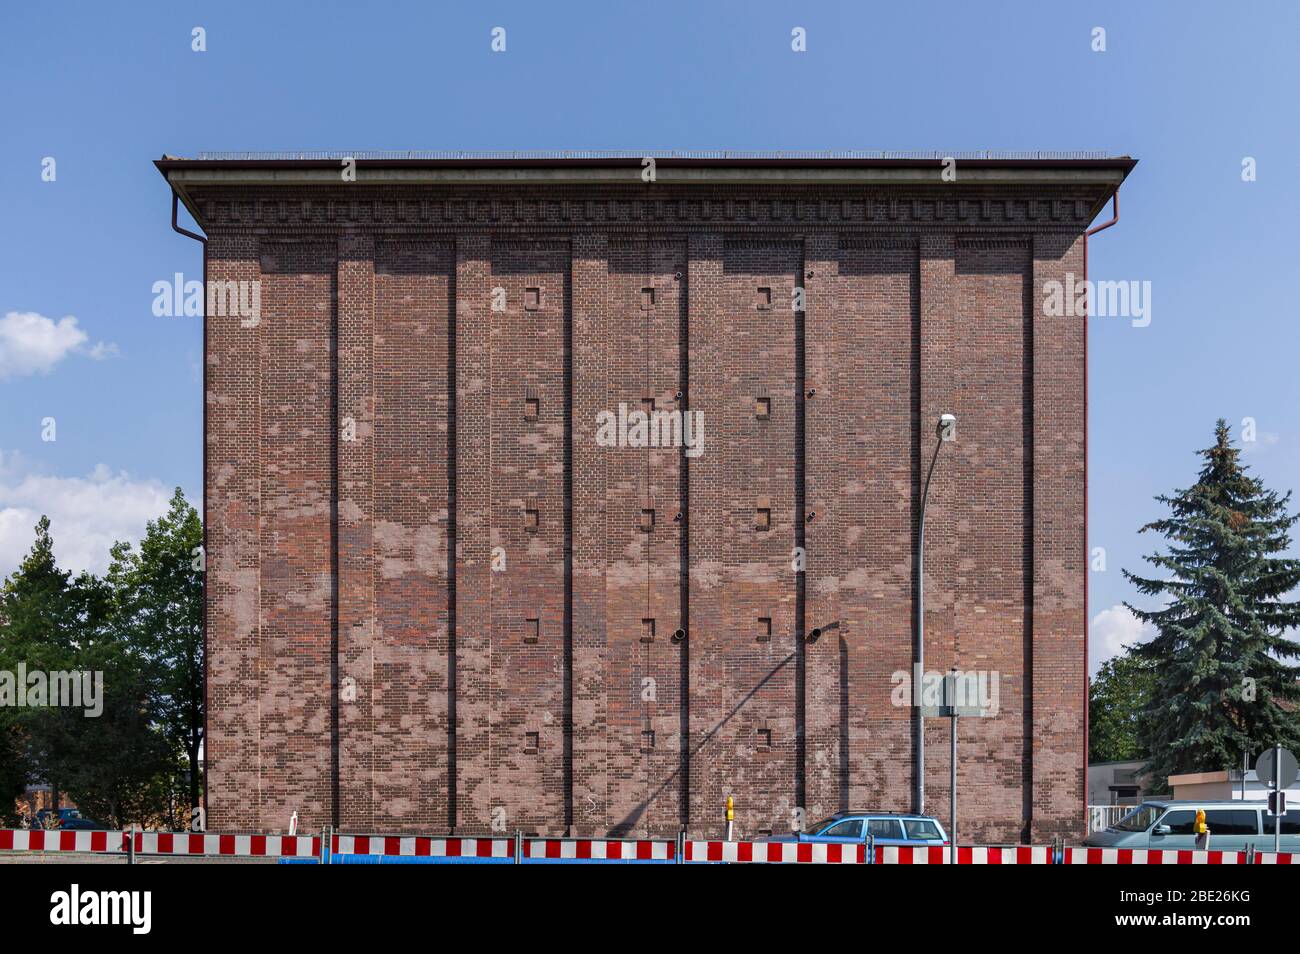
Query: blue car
[
  {"x": 885, "y": 828},
  {"x": 80, "y": 823},
  {"x": 64, "y": 815}
]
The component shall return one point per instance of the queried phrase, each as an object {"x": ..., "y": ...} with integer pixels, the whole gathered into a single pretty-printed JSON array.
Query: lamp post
[{"x": 945, "y": 430}]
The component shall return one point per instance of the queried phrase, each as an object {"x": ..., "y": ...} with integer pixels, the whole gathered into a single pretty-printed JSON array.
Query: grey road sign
[
  {"x": 956, "y": 700},
  {"x": 1276, "y": 768}
]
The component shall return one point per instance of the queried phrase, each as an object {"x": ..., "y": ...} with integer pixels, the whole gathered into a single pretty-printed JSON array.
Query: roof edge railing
[{"x": 588, "y": 154}]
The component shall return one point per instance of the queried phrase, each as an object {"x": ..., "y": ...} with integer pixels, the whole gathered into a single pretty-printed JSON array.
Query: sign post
[
  {"x": 952, "y": 800},
  {"x": 1277, "y": 767},
  {"x": 1277, "y": 793},
  {"x": 953, "y": 708}
]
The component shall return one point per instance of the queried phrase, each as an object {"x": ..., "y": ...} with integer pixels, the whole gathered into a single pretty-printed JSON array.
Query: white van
[{"x": 1234, "y": 826}]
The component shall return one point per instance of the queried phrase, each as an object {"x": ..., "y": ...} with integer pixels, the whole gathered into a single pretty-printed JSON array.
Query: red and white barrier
[
  {"x": 595, "y": 849},
  {"x": 790, "y": 852},
  {"x": 775, "y": 852},
  {"x": 239, "y": 846},
  {"x": 1151, "y": 856},
  {"x": 599, "y": 850},
  {"x": 40, "y": 840},
  {"x": 161, "y": 843},
  {"x": 421, "y": 846},
  {"x": 971, "y": 855}
]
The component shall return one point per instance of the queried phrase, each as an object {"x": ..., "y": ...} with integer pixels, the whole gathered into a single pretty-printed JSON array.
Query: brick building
[{"x": 440, "y": 598}]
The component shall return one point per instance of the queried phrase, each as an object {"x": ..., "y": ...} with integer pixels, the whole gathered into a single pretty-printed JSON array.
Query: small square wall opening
[
  {"x": 762, "y": 518},
  {"x": 532, "y": 408},
  {"x": 763, "y": 298},
  {"x": 647, "y": 298},
  {"x": 532, "y": 629},
  {"x": 647, "y": 630},
  {"x": 764, "y": 739},
  {"x": 647, "y": 519},
  {"x": 764, "y": 630},
  {"x": 532, "y": 743},
  {"x": 532, "y": 298},
  {"x": 647, "y": 740},
  {"x": 762, "y": 408},
  {"x": 532, "y": 520}
]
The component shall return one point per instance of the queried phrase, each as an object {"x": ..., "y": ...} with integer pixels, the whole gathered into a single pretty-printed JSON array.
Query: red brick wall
[
  {"x": 743, "y": 715},
  {"x": 527, "y": 667},
  {"x": 875, "y": 390},
  {"x": 409, "y": 725},
  {"x": 296, "y": 481},
  {"x": 641, "y": 570},
  {"x": 369, "y": 666}
]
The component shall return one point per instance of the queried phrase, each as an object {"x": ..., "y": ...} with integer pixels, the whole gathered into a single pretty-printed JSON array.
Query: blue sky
[{"x": 1189, "y": 89}]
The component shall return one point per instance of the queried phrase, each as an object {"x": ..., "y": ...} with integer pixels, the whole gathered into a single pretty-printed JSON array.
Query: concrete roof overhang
[{"x": 682, "y": 169}]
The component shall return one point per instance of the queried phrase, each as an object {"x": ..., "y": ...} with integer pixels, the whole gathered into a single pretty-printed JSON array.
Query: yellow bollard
[
  {"x": 731, "y": 817},
  {"x": 1202, "y": 831}
]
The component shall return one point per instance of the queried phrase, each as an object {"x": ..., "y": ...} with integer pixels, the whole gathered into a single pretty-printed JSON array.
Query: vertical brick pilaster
[
  {"x": 1060, "y": 566},
  {"x": 530, "y": 675},
  {"x": 414, "y": 460},
  {"x": 664, "y": 657},
  {"x": 826, "y": 706},
  {"x": 941, "y": 332},
  {"x": 877, "y": 353},
  {"x": 990, "y": 514},
  {"x": 232, "y": 487},
  {"x": 709, "y": 762},
  {"x": 592, "y": 324},
  {"x": 753, "y": 742},
  {"x": 473, "y": 636},
  {"x": 297, "y": 531},
  {"x": 354, "y": 436}
]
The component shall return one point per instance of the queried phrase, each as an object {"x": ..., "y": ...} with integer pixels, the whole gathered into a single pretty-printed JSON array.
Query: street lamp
[{"x": 945, "y": 430}]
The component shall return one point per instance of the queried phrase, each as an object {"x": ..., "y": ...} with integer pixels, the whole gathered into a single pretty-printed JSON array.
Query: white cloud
[
  {"x": 87, "y": 514},
  {"x": 30, "y": 343},
  {"x": 1113, "y": 629},
  {"x": 101, "y": 350}
]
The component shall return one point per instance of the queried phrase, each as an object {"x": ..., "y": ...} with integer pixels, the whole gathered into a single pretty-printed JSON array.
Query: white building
[{"x": 1219, "y": 786}]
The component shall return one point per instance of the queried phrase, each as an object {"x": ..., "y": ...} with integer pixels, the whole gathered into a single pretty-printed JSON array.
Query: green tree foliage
[
  {"x": 34, "y": 634},
  {"x": 13, "y": 767},
  {"x": 1225, "y": 682},
  {"x": 1117, "y": 698},
  {"x": 159, "y": 607},
  {"x": 138, "y": 631},
  {"x": 113, "y": 764}
]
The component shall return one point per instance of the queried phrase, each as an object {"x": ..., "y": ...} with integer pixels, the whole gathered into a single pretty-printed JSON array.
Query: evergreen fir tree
[
  {"x": 1225, "y": 682},
  {"x": 33, "y": 605},
  {"x": 35, "y": 633}
]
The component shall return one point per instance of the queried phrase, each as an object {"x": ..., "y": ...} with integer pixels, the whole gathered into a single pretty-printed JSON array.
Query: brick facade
[{"x": 384, "y": 437}]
